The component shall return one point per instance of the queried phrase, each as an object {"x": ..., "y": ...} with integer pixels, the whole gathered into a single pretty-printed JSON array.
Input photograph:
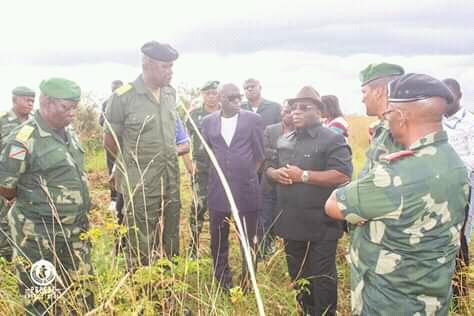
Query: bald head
[{"x": 229, "y": 98}]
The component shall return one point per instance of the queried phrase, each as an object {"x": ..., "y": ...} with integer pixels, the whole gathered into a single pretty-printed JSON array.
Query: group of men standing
[{"x": 288, "y": 174}]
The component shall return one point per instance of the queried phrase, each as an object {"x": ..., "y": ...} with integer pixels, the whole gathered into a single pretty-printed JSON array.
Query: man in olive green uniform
[
  {"x": 42, "y": 166},
  {"x": 374, "y": 79},
  {"x": 142, "y": 115},
  {"x": 409, "y": 209},
  {"x": 198, "y": 168},
  {"x": 23, "y": 99}
]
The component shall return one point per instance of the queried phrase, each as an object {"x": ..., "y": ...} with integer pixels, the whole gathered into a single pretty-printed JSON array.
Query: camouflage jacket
[
  {"x": 146, "y": 128},
  {"x": 47, "y": 172},
  {"x": 402, "y": 259},
  {"x": 8, "y": 121},
  {"x": 381, "y": 143}
]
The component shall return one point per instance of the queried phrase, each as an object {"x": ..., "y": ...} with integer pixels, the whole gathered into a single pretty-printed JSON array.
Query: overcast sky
[{"x": 285, "y": 44}]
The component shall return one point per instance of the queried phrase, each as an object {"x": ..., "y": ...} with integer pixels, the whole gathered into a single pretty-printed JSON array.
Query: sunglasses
[
  {"x": 302, "y": 106},
  {"x": 234, "y": 97}
]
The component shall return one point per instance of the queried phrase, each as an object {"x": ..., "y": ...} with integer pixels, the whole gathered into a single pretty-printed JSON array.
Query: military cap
[
  {"x": 61, "y": 88},
  {"x": 376, "y": 71},
  {"x": 23, "y": 91},
  {"x": 159, "y": 51},
  {"x": 307, "y": 93},
  {"x": 211, "y": 84},
  {"x": 414, "y": 87}
]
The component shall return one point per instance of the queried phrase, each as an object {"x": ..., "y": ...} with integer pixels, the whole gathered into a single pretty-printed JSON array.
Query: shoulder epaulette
[
  {"x": 2, "y": 114},
  {"x": 397, "y": 155},
  {"x": 24, "y": 134},
  {"x": 123, "y": 89}
]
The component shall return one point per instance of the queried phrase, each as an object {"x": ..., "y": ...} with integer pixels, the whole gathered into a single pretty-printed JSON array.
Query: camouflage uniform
[
  {"x": 402, "y": 259},
  {"x": 8, "y": 121},
  {"x": 147, "y": 172},
  {"x": 200, "y": 179},
  {"x": 381, "y": 143},
  {"x": 50, "y": 212}
]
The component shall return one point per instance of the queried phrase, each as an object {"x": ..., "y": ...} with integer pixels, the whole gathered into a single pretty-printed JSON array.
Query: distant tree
[{"x": 86, "y": 122}]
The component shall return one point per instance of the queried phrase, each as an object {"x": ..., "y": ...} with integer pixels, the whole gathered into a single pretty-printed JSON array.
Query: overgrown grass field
[{"x": 184, "y": 285}]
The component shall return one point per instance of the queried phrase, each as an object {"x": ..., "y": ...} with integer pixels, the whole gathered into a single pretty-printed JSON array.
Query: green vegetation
[{"x": 172, "y": 288}]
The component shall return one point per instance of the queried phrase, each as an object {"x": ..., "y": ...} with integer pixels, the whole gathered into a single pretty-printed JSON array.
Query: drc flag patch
[{"x": 17, "y": 152}]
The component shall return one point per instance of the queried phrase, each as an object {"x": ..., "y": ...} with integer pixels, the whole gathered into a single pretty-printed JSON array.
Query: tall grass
[{"x": 173, "y": 288}]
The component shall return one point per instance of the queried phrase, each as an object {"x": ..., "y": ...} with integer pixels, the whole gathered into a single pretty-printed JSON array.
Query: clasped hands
[{"x": 286, "y": 175}]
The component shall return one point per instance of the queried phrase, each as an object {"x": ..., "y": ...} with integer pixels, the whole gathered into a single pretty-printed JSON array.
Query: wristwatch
[{"x": 305, "y": 176}]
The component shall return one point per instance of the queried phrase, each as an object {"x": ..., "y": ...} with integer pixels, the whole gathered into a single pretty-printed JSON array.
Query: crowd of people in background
[{"x": 289, "y": 168}]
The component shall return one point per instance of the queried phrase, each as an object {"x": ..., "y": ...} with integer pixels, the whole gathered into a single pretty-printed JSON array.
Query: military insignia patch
[
  {"x": 17, "y": 153},
  {"x": 123, "y": 89},
  {"x": 24, "y": 134},
  {"x": 398, "y": 155}
]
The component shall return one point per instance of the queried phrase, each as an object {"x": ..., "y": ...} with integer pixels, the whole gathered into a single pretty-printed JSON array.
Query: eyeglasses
[
  {"x": 65, "y": 105},
  {"x": 234, "y": 97},
  {"x": 302, "y": 106}
]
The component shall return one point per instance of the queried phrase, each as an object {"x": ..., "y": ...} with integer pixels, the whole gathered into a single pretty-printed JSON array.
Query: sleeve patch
[
  {"x": 24, "y": 134},
  {"x": 17, "y": 153},
  {"x": 123, "y": 89}
]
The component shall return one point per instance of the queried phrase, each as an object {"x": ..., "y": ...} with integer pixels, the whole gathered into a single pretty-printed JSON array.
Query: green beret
[
  {"x": 23, "y": 91},
  {"x": 211, "y": 84},
  {"x": 61, "y": 88},
  {"x": 159, "y": 51},
  {"x": 375, "y": 71},
  {"x": 415, "y": 87}
]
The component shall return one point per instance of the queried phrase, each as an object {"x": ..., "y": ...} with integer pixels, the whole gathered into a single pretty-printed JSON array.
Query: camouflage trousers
[
  {"x": 198, "y": 208},
  {"x": 153, "y": 228},
  {"x": 6, "y": 250},
  {"x": 40, "y": 246}
]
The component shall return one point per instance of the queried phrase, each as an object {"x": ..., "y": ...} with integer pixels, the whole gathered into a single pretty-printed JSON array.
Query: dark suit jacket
[
  {"x": 270, "y": 138},
  {"x": 300, "y": 206},
  {"x": 238, "y": 161},
  {"x": 269, "y": 111}
]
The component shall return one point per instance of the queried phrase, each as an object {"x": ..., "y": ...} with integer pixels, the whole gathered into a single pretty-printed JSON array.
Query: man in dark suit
[
  {"x": 236, "y": 138},
  {"x": 309, "y": 163},
  {"x": 269, "y": 111}
]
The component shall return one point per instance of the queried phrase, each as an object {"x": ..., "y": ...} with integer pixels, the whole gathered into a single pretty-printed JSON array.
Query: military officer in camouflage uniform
[
  {"x": 23, "y": 99},
  {"x": 374, "y": 79},
  {"x": 409, "y": 209},
  {"x": 142, "y": 115},
  {"x": 42, "y": 166},
  {"x": 198, "y": 168}
]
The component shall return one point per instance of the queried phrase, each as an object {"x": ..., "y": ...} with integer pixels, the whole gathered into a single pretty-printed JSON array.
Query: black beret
[
  {"x": 23, "y": 91},
  {"x": 159, "y": 51},
  {"x": 414, "y": 87}
]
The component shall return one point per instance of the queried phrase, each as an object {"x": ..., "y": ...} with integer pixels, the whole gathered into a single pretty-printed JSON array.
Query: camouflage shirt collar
[
  {"x": 430, "y": 139},
  {"x": 381, "y": 125}
]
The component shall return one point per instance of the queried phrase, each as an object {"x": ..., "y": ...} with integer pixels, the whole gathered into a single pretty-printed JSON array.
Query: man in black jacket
[{"x": 310, "y": 162}]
